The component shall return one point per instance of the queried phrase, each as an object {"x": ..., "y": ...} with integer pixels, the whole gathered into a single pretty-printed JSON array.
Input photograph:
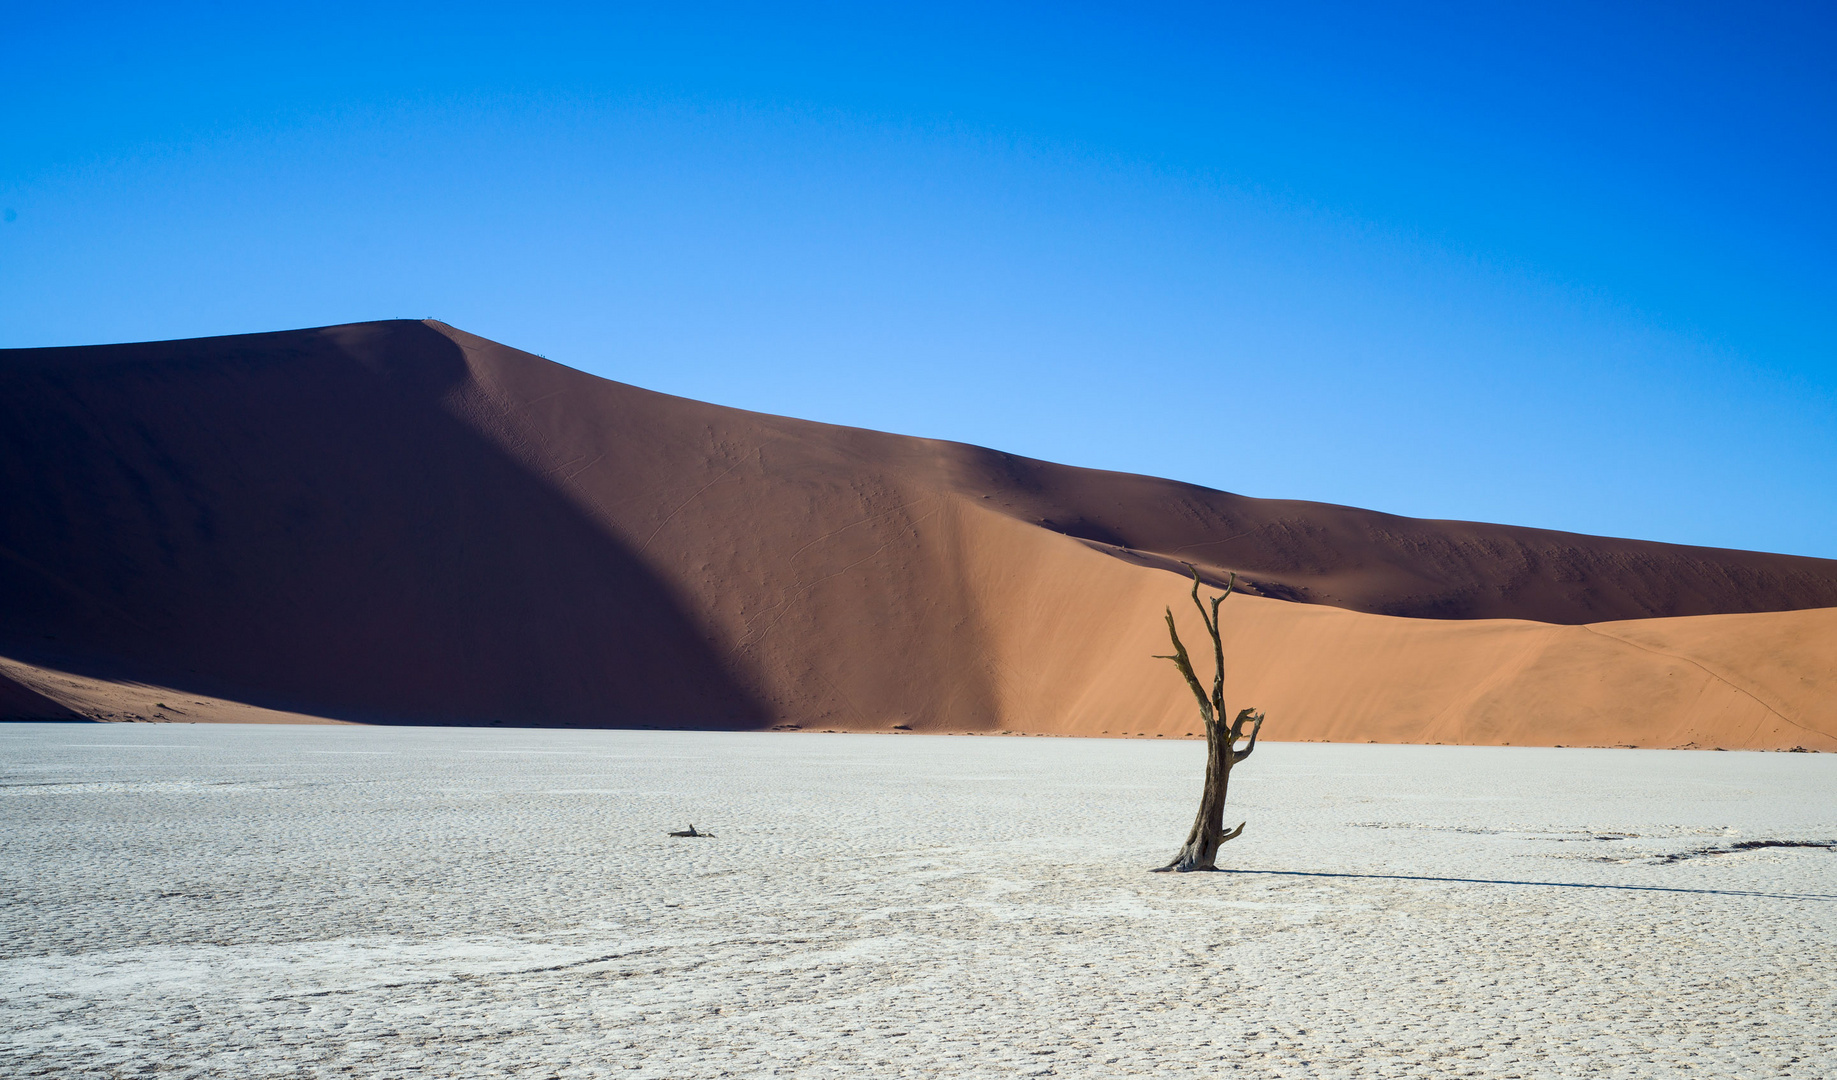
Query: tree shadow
[{"x": 1542, "y": 884}]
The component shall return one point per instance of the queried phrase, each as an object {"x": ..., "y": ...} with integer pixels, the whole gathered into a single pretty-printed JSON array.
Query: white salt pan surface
[{"x": 328, "y": 901}]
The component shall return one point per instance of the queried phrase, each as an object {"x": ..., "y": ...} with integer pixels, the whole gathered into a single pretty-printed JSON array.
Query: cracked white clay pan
[{"x": 273, "y": 901}]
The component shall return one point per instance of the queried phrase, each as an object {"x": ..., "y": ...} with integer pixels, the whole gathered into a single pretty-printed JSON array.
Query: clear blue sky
[{"x": 1572, "y": 266}]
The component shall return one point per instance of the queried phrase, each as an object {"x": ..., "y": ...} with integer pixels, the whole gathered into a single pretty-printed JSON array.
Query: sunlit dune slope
[
  {"x": 1069, "y": 636},
  {"x": 400, "y": 522}
]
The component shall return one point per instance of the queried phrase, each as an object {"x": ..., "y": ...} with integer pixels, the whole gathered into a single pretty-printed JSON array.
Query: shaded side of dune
[
  {"x": 299, "y": 519},
  {"x": 403, "y": 522}
]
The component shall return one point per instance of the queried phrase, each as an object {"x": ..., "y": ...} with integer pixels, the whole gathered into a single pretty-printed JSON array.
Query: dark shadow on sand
[{"x": 323, "y": 521}]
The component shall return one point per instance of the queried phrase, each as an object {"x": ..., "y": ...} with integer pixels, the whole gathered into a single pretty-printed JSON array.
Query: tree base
[{"x": 1200, "y": 851}]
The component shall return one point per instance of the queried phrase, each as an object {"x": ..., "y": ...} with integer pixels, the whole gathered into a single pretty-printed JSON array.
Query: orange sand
[{"x": 400, "y": 522}]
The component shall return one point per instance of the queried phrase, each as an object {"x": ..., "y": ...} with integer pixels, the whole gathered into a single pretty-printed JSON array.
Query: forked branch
[{"x": 1237, "y": 733}]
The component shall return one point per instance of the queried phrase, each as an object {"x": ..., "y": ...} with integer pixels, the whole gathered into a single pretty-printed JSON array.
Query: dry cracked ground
[{"x": 339, "y": 901}]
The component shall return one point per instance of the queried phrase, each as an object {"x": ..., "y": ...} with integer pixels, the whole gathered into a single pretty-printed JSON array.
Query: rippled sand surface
[{"x": 328, "y": 901}]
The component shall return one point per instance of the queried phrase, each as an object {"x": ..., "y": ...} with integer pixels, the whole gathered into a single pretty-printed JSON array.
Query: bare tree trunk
[{"x": 1200, "y": 852}]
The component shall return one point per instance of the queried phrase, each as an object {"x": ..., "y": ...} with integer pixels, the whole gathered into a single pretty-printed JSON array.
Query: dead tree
[{"x": 1200, "y": 852}]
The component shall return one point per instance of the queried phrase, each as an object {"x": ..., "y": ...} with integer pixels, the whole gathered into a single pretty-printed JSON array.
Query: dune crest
[{"x": 401, "y": 522}]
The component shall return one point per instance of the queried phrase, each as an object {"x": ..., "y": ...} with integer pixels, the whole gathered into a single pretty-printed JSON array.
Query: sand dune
[
  {"x": 400, "y": 522},
  {"x": 18, "y": 701},
  {"x": 1074, "y": 634}
]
